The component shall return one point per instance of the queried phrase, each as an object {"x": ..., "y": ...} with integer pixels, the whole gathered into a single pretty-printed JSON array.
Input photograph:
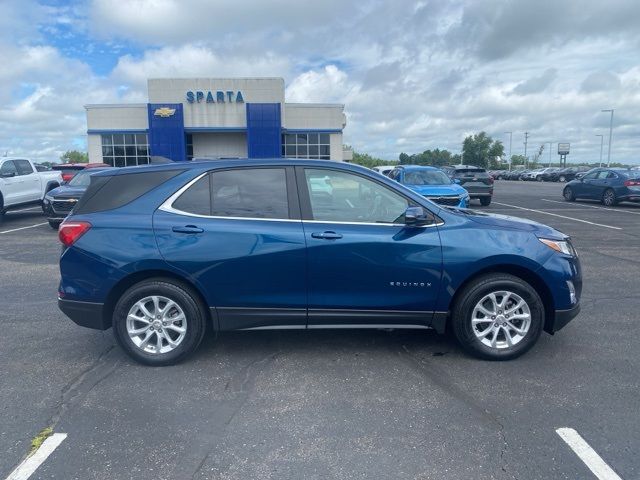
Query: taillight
[
  {"x": 632, "y": 183},
  {"x": 70, "y": 232},
  {"x": 67, "y": 176}
]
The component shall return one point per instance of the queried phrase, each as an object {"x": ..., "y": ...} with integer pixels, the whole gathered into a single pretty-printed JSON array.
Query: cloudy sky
[{"x": 413, "y": 75}]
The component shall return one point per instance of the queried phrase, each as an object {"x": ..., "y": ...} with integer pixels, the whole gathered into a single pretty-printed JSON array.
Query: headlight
[{"x": 562, "y": 246}]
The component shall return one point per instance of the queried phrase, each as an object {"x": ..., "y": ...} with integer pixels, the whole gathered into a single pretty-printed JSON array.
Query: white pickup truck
[{"x": 22, "y": 185}]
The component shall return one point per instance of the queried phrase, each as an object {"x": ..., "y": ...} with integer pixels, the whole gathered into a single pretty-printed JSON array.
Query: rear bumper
[
  {"x": 561, "y": 318},
  {"x": 85, "y": 314}
]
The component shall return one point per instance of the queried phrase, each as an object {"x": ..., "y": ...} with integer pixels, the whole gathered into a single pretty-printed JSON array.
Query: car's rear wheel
[
  {"x": 568, "y": 194},
  {"x": 609, "y": 198},
  {"x": 562, "y": 179},
  {"x": 485, "y": 201},
  {"x": 159, "y": 322},
  {"x": 55, "y": 224},
  {"x": 498, "y": 317}
]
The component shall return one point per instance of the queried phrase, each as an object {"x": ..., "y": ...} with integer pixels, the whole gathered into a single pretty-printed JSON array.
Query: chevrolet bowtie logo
[{"x": 164, "y": 112}]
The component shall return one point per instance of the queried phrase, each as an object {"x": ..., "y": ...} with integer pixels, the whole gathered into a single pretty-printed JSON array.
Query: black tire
[
  {"x": 485, "y": 201},
  {"x": 568, "y": 194},
  {"x": 540, "y": 179},
  {"x": 55, "y": 224},
  {"x": 609, "y": 198},
  {"x": 461, "y": 320},
  {"x": 187, "y": 301}
]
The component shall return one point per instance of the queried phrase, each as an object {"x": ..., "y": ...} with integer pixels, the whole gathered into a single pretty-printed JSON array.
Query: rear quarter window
[{"x": 115, "y": 191}]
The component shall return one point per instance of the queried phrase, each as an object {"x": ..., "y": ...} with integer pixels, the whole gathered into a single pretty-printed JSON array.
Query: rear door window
[
  {"x": 250, "y": 193},
  {"x": 24, "y": 167},
  {"x": 197, "y": 198}
]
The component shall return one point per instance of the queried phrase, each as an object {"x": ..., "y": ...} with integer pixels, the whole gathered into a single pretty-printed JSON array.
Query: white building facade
[{"x": 214, "y": 118}]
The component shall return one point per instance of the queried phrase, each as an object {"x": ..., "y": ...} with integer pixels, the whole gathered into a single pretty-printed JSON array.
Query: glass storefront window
[
  {"x": 126, "y": 149},
  {"x": 306, "y": 145}
]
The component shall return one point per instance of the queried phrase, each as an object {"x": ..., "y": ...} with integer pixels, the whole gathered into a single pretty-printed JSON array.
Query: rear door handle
[
  {"x": 188, "y": 229},
  {"x": 327, "y": 235}
]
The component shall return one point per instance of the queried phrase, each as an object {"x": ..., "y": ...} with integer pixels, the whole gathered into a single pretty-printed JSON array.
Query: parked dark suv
[
  {"x": 475, "y": 180},
  {"x": 160, "y": 252}
]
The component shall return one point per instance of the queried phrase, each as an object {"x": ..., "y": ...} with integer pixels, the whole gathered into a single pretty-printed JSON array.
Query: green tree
[
  {"x": 74, "y": 156},
  {"x": 480, "y": 150},
  {"x": 517, "y": 160},
  {"x": 368, "y": 161},
  {"x": 436, "y": 158}
]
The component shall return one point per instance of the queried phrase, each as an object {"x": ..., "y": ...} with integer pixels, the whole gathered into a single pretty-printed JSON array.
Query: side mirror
[
  {"x": 7, "y": 174},
  {"x": 456, "y": 181},
  {"x": 415, "y": 216}
]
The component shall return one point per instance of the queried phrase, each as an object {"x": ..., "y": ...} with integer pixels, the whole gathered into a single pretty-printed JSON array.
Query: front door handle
[
  {"x": 187, "y": 229},
  {"x": 327, "y": 235}
]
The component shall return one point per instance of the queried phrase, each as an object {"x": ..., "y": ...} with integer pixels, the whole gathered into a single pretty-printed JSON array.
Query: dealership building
[{"x": 214, "y": 118}]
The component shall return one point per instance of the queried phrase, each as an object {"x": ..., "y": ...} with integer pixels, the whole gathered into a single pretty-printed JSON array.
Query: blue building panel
[
  {"x": 264, "y": 129},
  {"x": 166, "y": 131}
]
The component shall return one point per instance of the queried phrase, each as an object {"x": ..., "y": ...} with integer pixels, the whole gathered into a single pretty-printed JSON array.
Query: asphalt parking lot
[{"x": 321, "y": 405}]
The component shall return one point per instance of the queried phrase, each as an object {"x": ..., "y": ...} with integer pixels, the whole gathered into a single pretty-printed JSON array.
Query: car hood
[
  {"x": 452, "y": 189},
  {"x": 506, "y": 221},
  {"x": 67, "y": 191}
]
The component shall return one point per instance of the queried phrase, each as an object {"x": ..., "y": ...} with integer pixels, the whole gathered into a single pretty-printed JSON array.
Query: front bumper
[
  {"x": 561, "y": 318},
  {"x": 85, "y": 314}
]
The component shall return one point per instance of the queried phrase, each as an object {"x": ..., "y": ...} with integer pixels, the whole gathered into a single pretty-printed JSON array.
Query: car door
[
  {"x": 365, "y": 266},
  {"x": 30, "y": 185},
  {"x": 10, "y": 182},
  {"x": 237, "y": 232},
  {"x": 586, "y": 187},
  {"x": 599, "y": 184}
]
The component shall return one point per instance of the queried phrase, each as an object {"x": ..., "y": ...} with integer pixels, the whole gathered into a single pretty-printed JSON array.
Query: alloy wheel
[
  {"x": 156, "y": 324},
  {"x": 609, "y": 198},
  {"x": 501, "y": 319}
]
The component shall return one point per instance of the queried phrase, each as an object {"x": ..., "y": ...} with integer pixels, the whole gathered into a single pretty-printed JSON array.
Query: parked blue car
[
  {"x": 60, "y": 201},
  {"x": 608, "y": 185},
  {"x": 160, "y": 252},
  {"x": 431, "y": 183}
]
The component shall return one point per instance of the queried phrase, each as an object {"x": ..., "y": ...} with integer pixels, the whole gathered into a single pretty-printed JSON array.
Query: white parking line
[
  {"x": 592, "y": 206},
  {"x": 31, "y": 464},
  {"x": 25, "y": 209},
  {"x": 587, "y": 454},
  {"x": 24, "y": 228},
  {"x": 561, "y": 216}
]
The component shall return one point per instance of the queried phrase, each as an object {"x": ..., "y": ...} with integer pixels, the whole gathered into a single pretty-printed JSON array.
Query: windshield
[
  {"x": 427, "y": 177},
  {"x": 81, "y": 179}
]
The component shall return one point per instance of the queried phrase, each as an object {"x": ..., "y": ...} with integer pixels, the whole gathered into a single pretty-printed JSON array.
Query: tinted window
[
  {"x": 394, "y": 174},
  {"x": 250, "y": 192},
  {"x": 8, "y": 167},
  {"x": 24, "y": 167},
  {"x": 590, "y": 176},
  {"x": 603, "y": 174},
  {"x": 345, "y": 197},
  {"x": 477, "y": 173},
  {"x": 196, "y": 199},
  {"x": 115, "y": 191}
]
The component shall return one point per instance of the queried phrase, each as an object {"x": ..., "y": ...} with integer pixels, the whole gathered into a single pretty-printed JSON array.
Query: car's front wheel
[
  {"x": 159, "y": 322},
  {"x": 498, "y": 317}
]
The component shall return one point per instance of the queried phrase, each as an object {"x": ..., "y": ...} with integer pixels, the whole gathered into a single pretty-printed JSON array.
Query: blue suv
[
  {"x": 432, "y": 183},
  {"x": 160, "y": 253}
]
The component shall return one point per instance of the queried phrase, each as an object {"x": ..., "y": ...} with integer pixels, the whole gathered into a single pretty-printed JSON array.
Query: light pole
[
  {"x": 610, "y": 134},
  {"x": 550, "y": 146},
  {"x": 601, "y": 143},
  {"x": 510, "y": 137},
  {"x": 526, "y": 159}
]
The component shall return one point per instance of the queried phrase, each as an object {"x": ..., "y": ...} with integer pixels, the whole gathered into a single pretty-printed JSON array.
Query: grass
[{"x": 39, "y": 439}]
